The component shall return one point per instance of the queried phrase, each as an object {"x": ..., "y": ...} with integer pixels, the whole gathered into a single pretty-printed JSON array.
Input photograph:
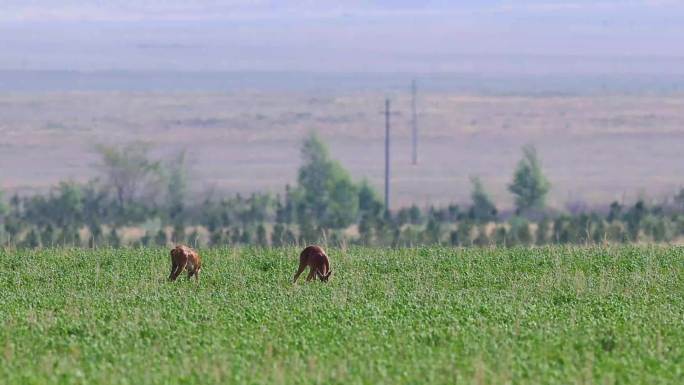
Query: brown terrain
[{"x": 594, "y": 149}]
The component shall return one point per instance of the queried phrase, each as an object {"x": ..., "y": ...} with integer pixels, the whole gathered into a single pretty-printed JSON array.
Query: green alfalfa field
[{"x": 556, "y": 315}]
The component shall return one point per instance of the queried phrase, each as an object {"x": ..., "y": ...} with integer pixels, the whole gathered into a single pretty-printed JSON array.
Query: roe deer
[
  {"x": 317, "y": 260},
  {"x": 183, "y": 257}
]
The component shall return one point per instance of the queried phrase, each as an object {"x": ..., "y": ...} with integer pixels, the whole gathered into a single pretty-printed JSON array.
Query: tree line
[{"x": 141, "y": 201}]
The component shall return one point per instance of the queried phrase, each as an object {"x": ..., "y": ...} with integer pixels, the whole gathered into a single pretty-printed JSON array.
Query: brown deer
[
  {"x": 183, "y": 257},
  {"x": 319, "y": 266}
]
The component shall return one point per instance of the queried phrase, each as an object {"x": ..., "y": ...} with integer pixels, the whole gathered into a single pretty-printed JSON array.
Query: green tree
[
  {"x": 128, "y": 171},
  {"x": 146, "y": 240},
  {"x": 178, "y": 235},
  {"x": 542, "y": 234},
  {"x": 160, "y": 239},
  {"x": 599, "y": 231},
  {"x": 615, "y": 211},
  {"x": 48, "y": 235},
  {"x": 616, "y": 232},
  {"x": 679, "y": 199},
  {"x": 113, "y": 239},
  {"x": 369, "y": 202},
  {"x": 520, "y": 233},
  {"x": 566, "y": 229},
  {"x": 70, "y": 236},
  {"x": 463, "y": 234},
  {"x": 177, "y": 186},
  {"x": 3, "y": 206},
  {"x": 433, "y": 231},
  {"x": 408, "y": 237},
  {"x": 289, "y": 238},
  {"x": 68, "y": 205},
  {"x": 277, "y": 237},
  {"x": 285, "y": 212},
  {"x": 194, "y": 238},
  {"x": 366, "y": 229},
  {"x": 217, "y": 237},
  {"x": 529, "y": 185},
  {"x": 501, "y": 236},
  {"x": 261, "y": 238},
  {"x": 327, "y": 193},
  {"x": 482, "y": 238},
  {"x": 415, "y": 216},
  {"x": 659, "y": 228},
  {"x": 95, "y": 234},
  {"x": 633, "y": 217},
  {"x": 246, "y": 237},
  {"x": 307, "y": 232},
  {"x": 235, "y": 235},
  {"x": 4, "y": 210},
  {"x": 97, "y": 209},
  {"x": 32, "y": 239},
  {"x": 483, "y": 209}
]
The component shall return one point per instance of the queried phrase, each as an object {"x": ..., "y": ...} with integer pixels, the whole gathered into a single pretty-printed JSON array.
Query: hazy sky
[
  {"x": 25, "y": 10},
  {"x": 352, "y": 35}
]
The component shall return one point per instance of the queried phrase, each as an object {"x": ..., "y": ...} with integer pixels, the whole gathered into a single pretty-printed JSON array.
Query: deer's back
[
  {"x": 315, "y": 256},
  {"x": 181, "y": 254}
]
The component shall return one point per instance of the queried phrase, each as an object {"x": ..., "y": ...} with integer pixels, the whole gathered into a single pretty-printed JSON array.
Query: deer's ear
[{"x": 329, "y": 272}]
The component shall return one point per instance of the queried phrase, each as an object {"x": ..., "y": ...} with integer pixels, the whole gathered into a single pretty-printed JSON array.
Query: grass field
[{"x": 414, "y": 316}]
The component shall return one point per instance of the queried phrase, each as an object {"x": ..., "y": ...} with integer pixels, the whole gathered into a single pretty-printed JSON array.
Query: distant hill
[{"x": 229, "y": 81}]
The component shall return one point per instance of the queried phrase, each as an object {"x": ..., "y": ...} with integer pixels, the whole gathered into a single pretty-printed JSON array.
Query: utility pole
[
  {"x": 387, "y": 155},
  {"x": 414, "y": 121}
]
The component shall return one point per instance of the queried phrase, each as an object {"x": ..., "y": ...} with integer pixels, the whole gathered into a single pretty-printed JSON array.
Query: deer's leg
[
  {"x": 193, "y": 272},
  {"x": 173, "y": 269},
  {"x": 176, "y": 269},
  {"x": 302, "y": 266},
  {"x": 179, "y": 269},
  {"x": 312, "y": 273}
]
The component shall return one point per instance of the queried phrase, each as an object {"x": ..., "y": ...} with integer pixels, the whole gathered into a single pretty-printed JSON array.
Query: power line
[
  {"x": 387, "y": 154},
  {"x": 414, "y": 121}
]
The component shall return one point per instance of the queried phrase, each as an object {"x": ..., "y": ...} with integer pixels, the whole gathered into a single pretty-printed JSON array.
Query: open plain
[{"x": 595, "y": 147}]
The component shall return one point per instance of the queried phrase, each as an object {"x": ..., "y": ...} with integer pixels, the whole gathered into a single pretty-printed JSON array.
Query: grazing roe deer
[
  {"x": 317, "y": 260},
  {"x": 183, "y": 257}
]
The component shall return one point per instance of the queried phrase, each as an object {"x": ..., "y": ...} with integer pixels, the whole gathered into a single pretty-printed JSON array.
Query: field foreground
[{"x": 416, "y": 316}]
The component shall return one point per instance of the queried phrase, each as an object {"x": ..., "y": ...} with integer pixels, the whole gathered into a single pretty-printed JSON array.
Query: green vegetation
[
  {"x": 139, "y": 201},
  {"x": 326, "y": 196},
  {"x": 483, "y": 209},
  {"x": 529, "y": 185},
  {"x": 552, "y": 315}
]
